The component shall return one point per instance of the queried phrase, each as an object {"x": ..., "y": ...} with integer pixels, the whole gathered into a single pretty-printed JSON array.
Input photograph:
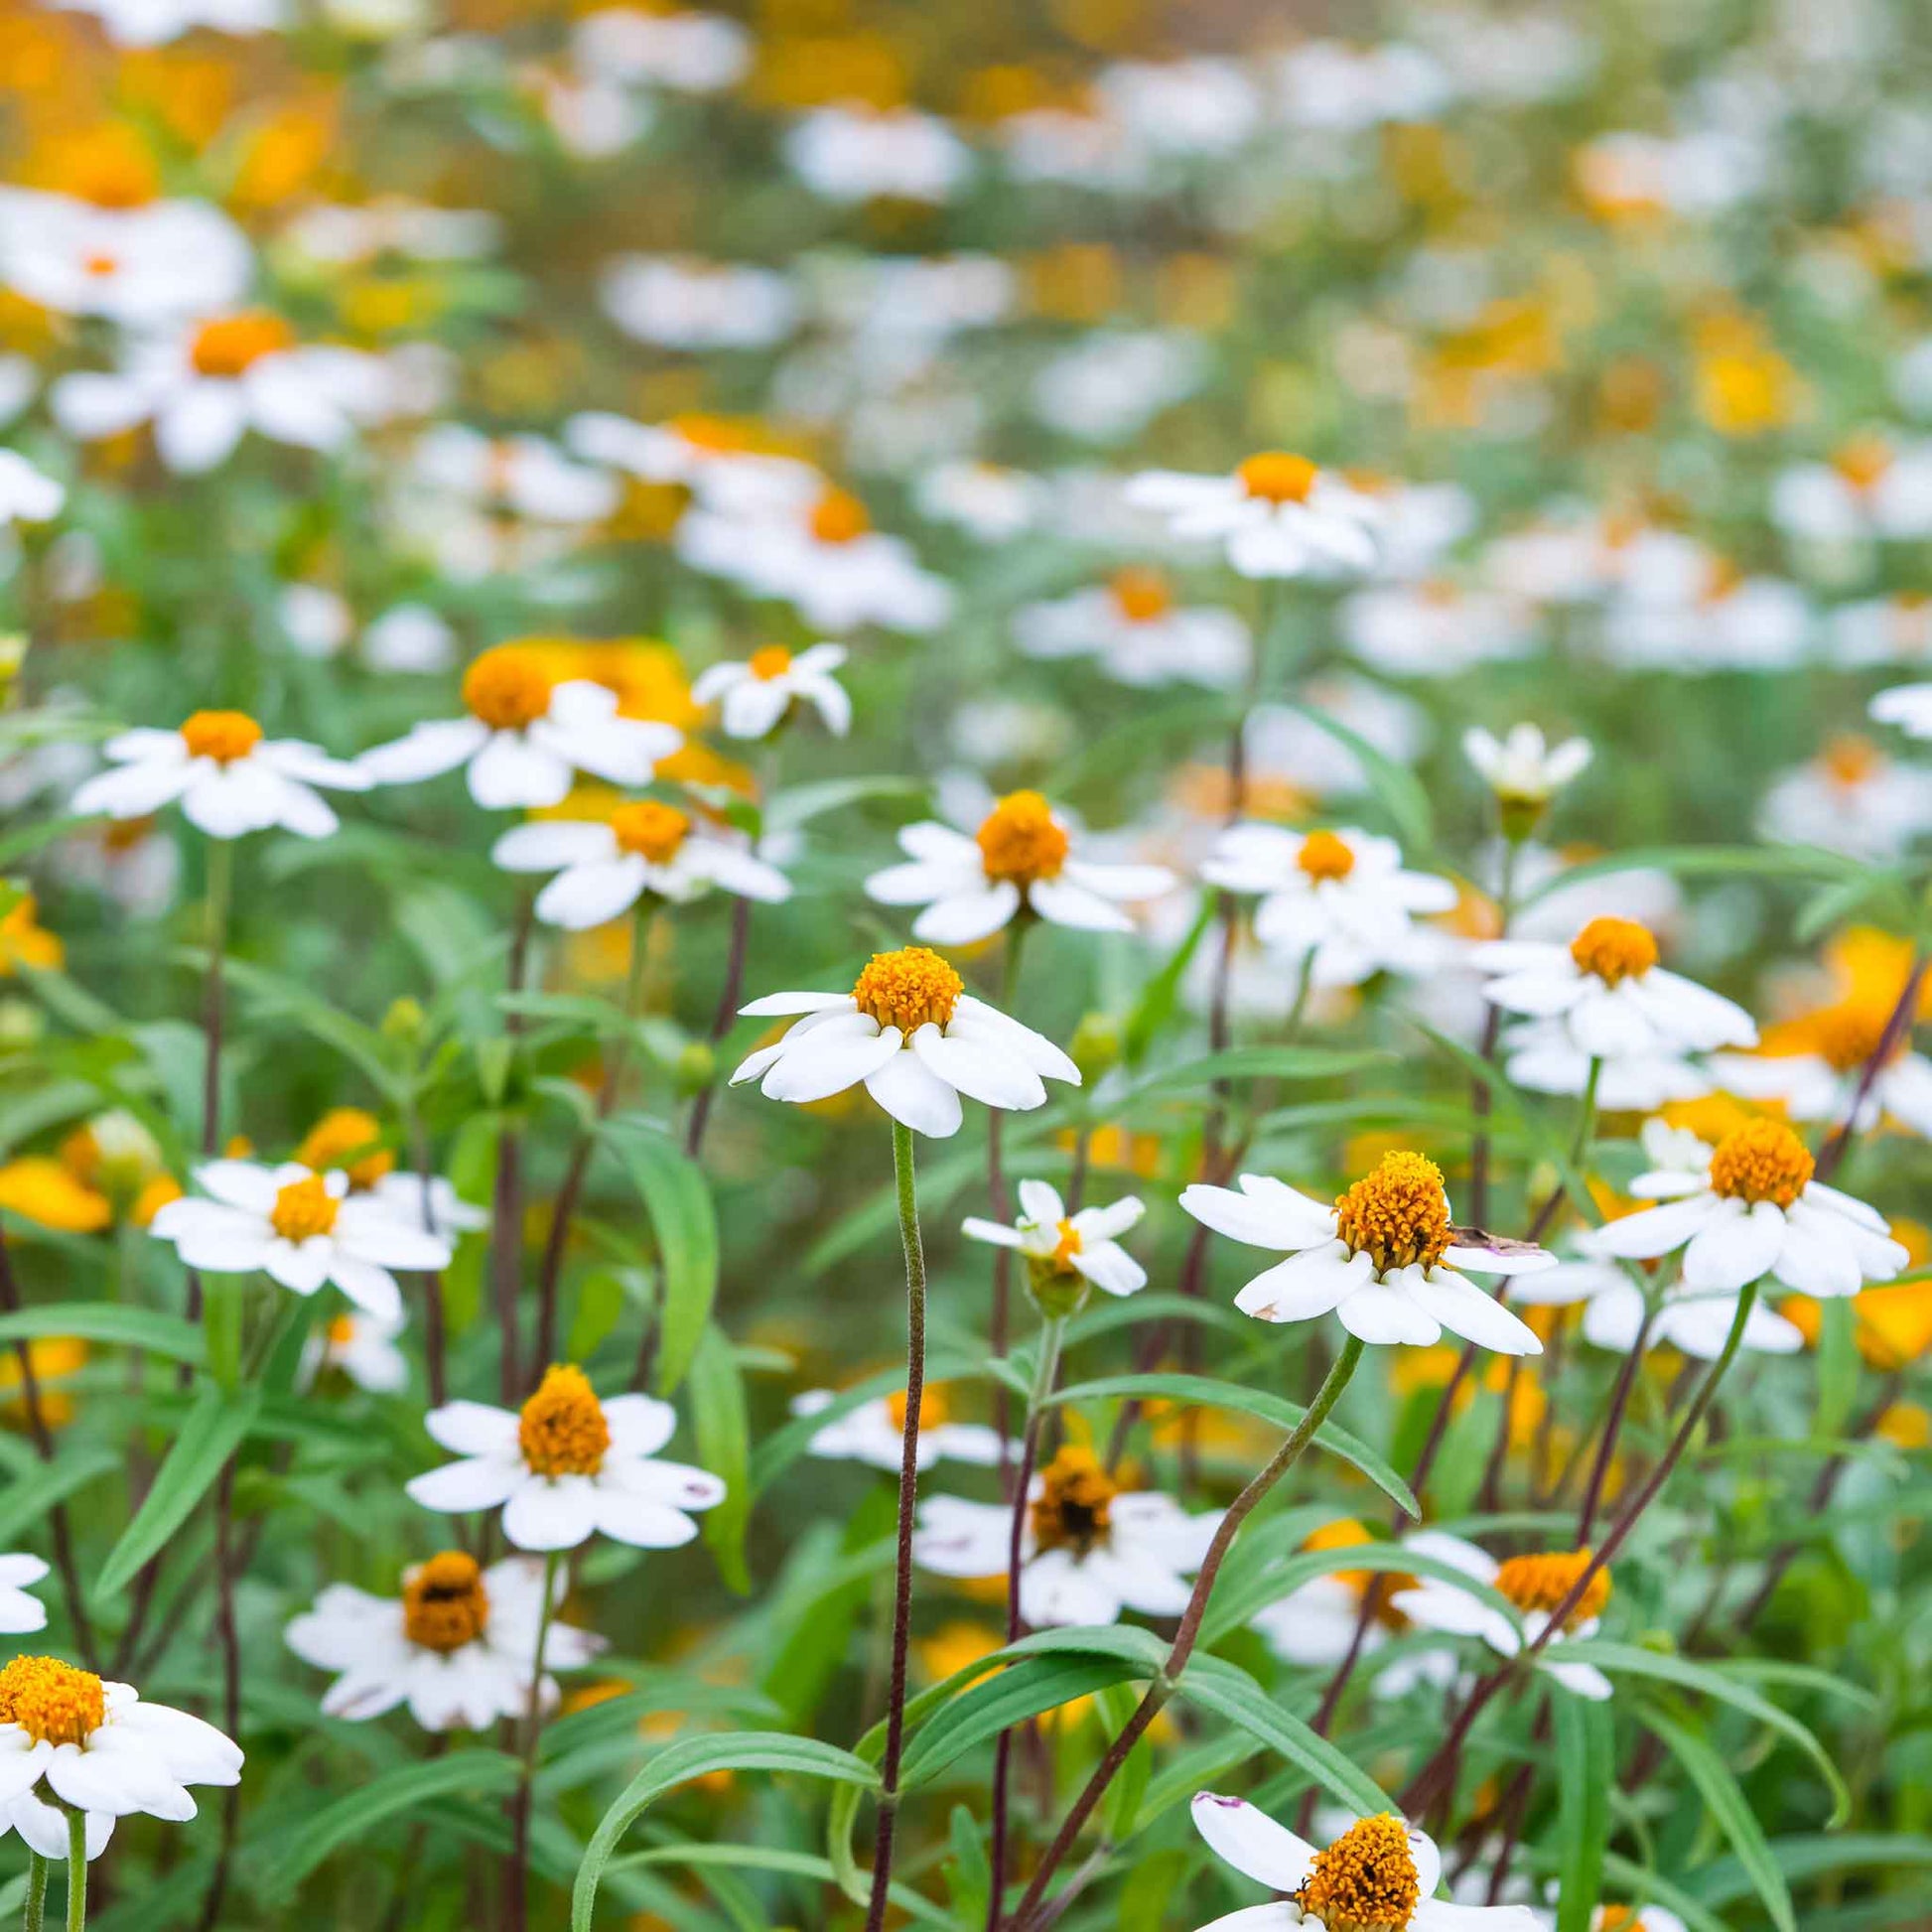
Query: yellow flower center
[
  {"x": 228, "y": 344},
  {"x": 650, "y": 829},
  {"x": 1277, "y": 477},
  {"x": 1397, "y": 1215},
  {"x": 1615, "y": 950},
  {"x": 1348, "y": 1534},
  {"x": 714, "y": 432},
  {"x": 51, "y": 1702},
  {"x": 507, "y": 687},
  {"x": 1617, "y": 1918},
  {"x": 1141, "y": 595},
  {"x": 1850, "y": 760},
  {"x": 1761, "y": 1160},
  {"x": 1021, "y": 840},
  {"x": 1367, "y": 1881},
  {"x": 1074, "y": 1507},
  {"x": 562, "y": 1431},
  {"x": 769, "y": 662},
  {"x": 222, "y": 736},
  {"x": 443, "y": 1602},
  {"x": 1325, "y": 856},
  {"x": 935, "y": 1410},
  {"x": 1067, "y": 1246},
  {"x": 908, "y": 988},
  {"x": 342, "y": 1332},
  {"x": 839, "y": 518},
  {"x": 1862, "y": 460},
  {"x": 350, "y": 1138},
  {"x": 304, "y": 1208},
  {"x": 1543, "y": 1583},
  {"x": 1849, "y": 1033}
]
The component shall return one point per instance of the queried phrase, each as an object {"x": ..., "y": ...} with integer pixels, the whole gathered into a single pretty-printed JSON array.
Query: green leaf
[
  {"x": 28, "y": 1498},
  {"x": 798, "y": 805},
  {"x": 215, "y": 1425},
  {"x": 1647, "y": 1887},
  {"x": 1585, "y": 1772},
  {"x": 1208, "y": 1392},
  {"x": 766, "y": 1858},
  {"x": 1707, "y": 862},
  {"x": 725, "y": 1449},
  {"x": 1156, "y": 1005},
  {"x": 1223, "y": 1688},
  {"x": 1837, "y": 1366},
  {"x": 109, "y": 1321},
  {"x": 1809, "y": 1856},
  {"x": 677, "y": 1197},
  {"x": 745, "y": 1750},
  {"x": 1264, "y": 1063},
  {"x": 1397, "y": 790}
]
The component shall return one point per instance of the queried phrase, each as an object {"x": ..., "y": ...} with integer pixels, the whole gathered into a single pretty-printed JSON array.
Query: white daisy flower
[
  {"x": 143, "y": 268},
  {"x": 988, "y": 501},
  {"x": 229, "y": 779},
  {"x": 1850, "y": 798},
  {"x": 1341, "y": 902},
  {"x": 690, "y": 450},
  {"x": 459, "y": 1647},
  {"x": 1824, "y": 1085},
  {"x": 1434, "y": 628},
  {"x": 1380, "y": 1873},
  {"x": 1537, "y": 1585},
  {"x": 861, "y": 154},
  {"x": 153, "y": 23},
  {"x": 1278, "y": 514},
  {"x": 754, "y": 698},
  {"x": 604, "y": 865},
  {"x": 1138, "y": 635},
  {"x": 1750, "y": 1208},
  {"x": 874, "y": 1432},
  {"x": 526, "y": 736},
  {"x": 434, "y": 1204},
  {"x": 918, "y": 1040},
  {"x": 301, "y": 1229},
  {"x": 1057, "y": 1245},
  {"x": 678, "y": 302},
  {"x": 95, "y": 1746},
  {"x": 363, "y": 1348},
  {"x": 20, "y": 1613},
  {"x": 1522, "y": 768},
  {"x": 688, "y": 53},
  {"x": 1908, "y": 706},
  {"x": 1022, "y": 857},
  {"x": 1088, "y": 1551},
  {"x": 1698, "y": 612},
  {"x": 567, "y": 1466},
  {"x": 1868, "y": 488},
  {"x": 27, "y": 495},
  {"x": 1376, "y": 1258}
]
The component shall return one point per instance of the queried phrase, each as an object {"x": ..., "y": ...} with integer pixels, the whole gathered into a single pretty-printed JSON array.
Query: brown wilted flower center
[
  {"x": 52, "y": 1702},
  {"x": 1074, "y": 1507},
  {"x": 1367, "y": 1881},
  {"x": 1021, "y": 840},
  {"x": 222, "y": 736},
  {"x": 1324, "y": 854},
  {"x": 1397, "y": 1215},
  {"x": 443, "y": 1602},
  {"x": 1543, "y": 1583},
  {"x": 908, "y": 988},
  {"x": 1761, "y": 1160},
  {"x": 1615, "y": 950},
  {"x": 562, "y": 1431},
  {"x": 1277, "y": 477},
  {"x": 304, "y": 1209},
  {"x": 507, "y": 687},
  {"x": 650, "y": 829}
]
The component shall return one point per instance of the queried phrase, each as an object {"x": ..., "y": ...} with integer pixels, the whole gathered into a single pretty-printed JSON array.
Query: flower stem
[
  {"x": 220, "y": 881},
  {"x": 35, "y": 1914},
  {"x": 1579, "y": 1149},
  {"x": 908, "y": 1487},
  {"x": 721, "y": 1021},
  {"x": 518, "y": 1901},
  {"x": 76, "y": 1869},
  {"x": 1163, "y": 1686}
]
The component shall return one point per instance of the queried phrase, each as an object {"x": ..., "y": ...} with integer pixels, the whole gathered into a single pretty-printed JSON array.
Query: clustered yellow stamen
[
  {"x": 1021, "y": 839},
  {"x": 1074, "y": 1507},
  {"x": 1348, "y": 1534},
  {"x": 227, "y": 346},
  {"x": 1397, "y": 1215},
  {"x": 342, "y": 1332},
  {"x": 1544, "y": 1582},
  {"x": 443, "y": 1602},
  {"x": 562, "y": 1431},
  {"x": 222, "y": 736},
  {"x": 1066, "y": 1246},
  {"x": 1761, "y": 1160},
  {"x": 350, "y": 1138},
  {"x": 51, "y": 1702},
  {"x": 839, "y": 518},
  {"x": 650, "y": 829},
  {"x": 1849, "y": 1034},
  {"x": 935, "y": 1410},
  {"x": 769, "y": 662},
  {"x": 1618, "y": 1919},
  {"x": 1277, "y": 477},
  {"x": 1326, "y": 855},
  {"x": 1141, "y": 595},
  {"x": 908, "y": 988},
  {"x": 507, "y": 687},
  {"x": 1615, "y": 950},
  {"x": 1367, "y": 1881},
  {"x": 304, "y": 1209}
]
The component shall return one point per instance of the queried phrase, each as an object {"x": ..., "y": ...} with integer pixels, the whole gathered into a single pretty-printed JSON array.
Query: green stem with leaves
[{"x": 519, "y": 1871}]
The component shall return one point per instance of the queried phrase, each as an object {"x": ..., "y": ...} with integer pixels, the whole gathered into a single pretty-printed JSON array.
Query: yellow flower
[
  {"x": 24, "y": 941},
  {"x": 43, "y": 1192},
  {"x": 51, "y": 1359}
]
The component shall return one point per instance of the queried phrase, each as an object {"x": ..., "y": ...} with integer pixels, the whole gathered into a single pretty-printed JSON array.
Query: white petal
[{"x": 1251, "y": 1842}]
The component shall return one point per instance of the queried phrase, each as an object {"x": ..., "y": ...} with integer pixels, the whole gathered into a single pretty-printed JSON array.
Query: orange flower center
[
  {"x": 1862, "y": 460},
  {"x": 1761, "y": 1160},
  {"x": 935, "y": 1410},
  {"x": 443, "y": 1602},
  {"x": 507, "y": 687},
  {"x": 650, "y": 829},
  {"x": 839, "y": 518},
  {"x": 1277, "y": 477},
  {"x": 1141, "y": 595},
  {"x": 1074, "y": 1507},
  {"x": 908, "y": 988},
  {"x": 562, "y": 1431},
  {"x": 1543, "y": 1583},
  {"x": 1325, "y": 856},
  {"x": 1850, "y": 760},
  {"x": 51, "y": 1702},
  {"x": 350, "y": 1139},
  {"x": 304, "y": 1209},
  {"x": 1397, "y": 1215},
  {"x": 1348, "y": 1534},
  {"x": 1021, "y": 840},
  {"x": 1849, "y": 1034},
  {"x": 714, "y": 432},
  {"x": 228, "y": 344},
  {"x": 1615, "y": 950},
  {"x": 769, "y": 662},
  {"x": 1066, "y": 1246},
  {"x": 1367, "y": 1881},
  {"x": 222, "y": 736}
]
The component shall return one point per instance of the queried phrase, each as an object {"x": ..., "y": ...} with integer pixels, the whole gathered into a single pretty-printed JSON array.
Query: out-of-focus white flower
[
  {"x": 991, "y": 503},
  {"x": 680, "y": 302},
  {"x": 1869, "y": 489},
  {"x": 363, "y": 1348},
  {"x": 409, "y": 637},
  {"x": 1681, "y": 607},
  {"x": 143, "y": 268},
  {"x": 1822, "y": 1085},
  {"x": 1698, "y": 173},
  {"x": 1881, "y": 630},
  {"x": 27, "y": 495},
  {"x": 1140, "y": 635},
  {"x": 152, "y": 23},
  {"x": 1330, "y": 87},
  {"x": 1850, "y": 798},
  {"x": 523, "y": 476},
  {"x": 1181, "y": 108},
  {"x": 1523, "y": 768},
  {"x": 1109, "y": 387},
  {"x": 1277, "y": 514},
  {"x": 863, "y": 154},
  {"x": 873, "y": 1433},
  {"x": 754, "y": 697},
  {"x": 20, "y": 1613},
  {"x": 685, "y": 52},
  {"x": 1434, "y": 629},
  {"x": 1056, "y": 1243},
  {"x": 346, "y": 235}
]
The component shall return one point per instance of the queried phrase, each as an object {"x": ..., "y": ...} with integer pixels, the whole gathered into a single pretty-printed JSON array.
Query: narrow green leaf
[
  {"x": 725, "y": 1449},
  {"x": 28, "y": 1498},
  {"x": 213, "y": 1431},
  {"x": 1223, "y": 1688},
  {"x": 1585, "y": 1772},
  {"x": 109, "y": 1321},
  {"x": 677, "y": 1197},
  {"x": 1264, "y": 1063},
  {"x": 1397, "y": 790},
  {"x": 1157, "y": 997},
  {"x": 1022, "y": 1691}
]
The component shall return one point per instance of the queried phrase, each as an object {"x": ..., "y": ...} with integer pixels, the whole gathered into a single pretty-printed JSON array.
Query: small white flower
[
  {"x": 1434, "y": 628},
  {"x": 567, "y": 1466},
  {"x": 1278, "y": 515},
  {"x": 20, "y": 1613},
  {"x": 525, "y": 736},
  {"x": 457, "y": 1648},
  {"x": 363, "y": 1348},
  {"x": 1908, "y": 706},
  {"x": 143, "y": 268},
  {"x": 1523, "y": 768},
  {"x": 687, "y": 53},
  {"x": 1376, "y": 1258},
  {"x": 1869, "y": 489},
  {"x": 604, "y": 867},
  {"x": 991, "y": 503},
  {"x": 1022, "y": 857},
  {"x": 433, "y": 1204},
  {"x": 1342, "y": 901},
  {"x": 1083, "y": 1244},
  {"x": 229, "y": 778},
  {"x": 917, "y": 1038},
  {"x": 1321, "y": 1888},
  {"x": 1850, "y": 799},
  {"x": 1823, "y": 1086},
  {"x": 1748, "y": 1208},
  {"x": 152, "y": 23},
  {"x": 1087, "y": 1551},
  {"x": 874, "y": 1432},
  {"x": 300, "y": 1228},
  {"x": 862, "y": 154},
  {"x": 27, "y": 495},
  {"x": 754, "y": 697},
  {"x": 1140, "y": 637},
  {"x": 677, "y": 302}
]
